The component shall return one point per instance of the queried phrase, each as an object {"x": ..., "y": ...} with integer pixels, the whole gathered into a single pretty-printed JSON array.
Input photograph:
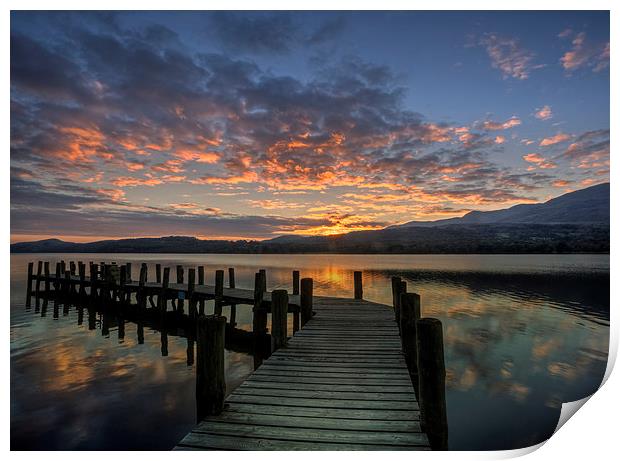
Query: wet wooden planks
[{"x": 340, "y": 384}]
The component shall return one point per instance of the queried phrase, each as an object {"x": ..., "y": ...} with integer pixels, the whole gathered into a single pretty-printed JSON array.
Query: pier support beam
[{"x": 210, "y": 382}]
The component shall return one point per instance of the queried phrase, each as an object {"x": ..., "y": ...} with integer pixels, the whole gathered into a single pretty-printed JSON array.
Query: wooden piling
[
  {"x": 219, "y": 291},
  {"x": 82, "y": 275},
  {"x": 141, "y": 295},
  {"x": 409, "y": 316},
  {"x": 295, "y": 282},
  {"x": 37, "y": 287},
  {"x": 279, "y": 314},
  {"x": 233, "y": 307},
  {"x": 263, "y": 273},
  {"x": 72, "y": 267},
  {"x": 67, "y": 284},
  {"x": 46, "y": 271},
  {"x": 358, "y": 292},
  {"x": 432, "y": 374},
  {"x": 29, "y": 288},
  {"x": 305, "y": 300},
  {"x": 191, "y": 298},
  {"x": 259, "y": 315},
  {"x": 201, "y": 281},
  {"x": 210, "y": 380},
  {"x": 158, "y": 273},
  {"x": 396, "y": 297},
  {"x": 57, "y": 277},
  {"x": 93, "y": 279},
  {"x": 162, "y": 301},
  {"x": 128, "y": 273},
  {"x": 180, "y": 279}
]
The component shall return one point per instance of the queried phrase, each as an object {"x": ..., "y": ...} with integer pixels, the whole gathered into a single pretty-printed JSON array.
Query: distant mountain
[
  {"x": 577, "y": 222},
  {"x": 585, "y": 206}
]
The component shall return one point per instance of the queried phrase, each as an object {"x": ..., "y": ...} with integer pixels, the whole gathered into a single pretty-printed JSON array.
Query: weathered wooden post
[
  {"x": 29, "y": 288},
  {"x": 210, "y": 380},
  {"x": 82, "y": 274},
  {"x": 432, "y": 373},
  {"x": 396, "y": 296},
  {"x": 201, "y": 281},
  {"x": 233, "y": 307},
  {"x": 219, "y": 291},
  {"x": 305, "y": 300},
  {"x": 279, "y": 314},
  {"x": 37, "y": 287},
  {"x": 141, "y": 294},
  {"x": 57, "y": 277},
  {"x": 128, "y": 272},
  {"x": 122, "y": 281},
  {"x": 357, "y": 285},
  {"x": 162, "y": 300},
  {"x": 158, "y": 273},
  {"x": 72, "y": 267},
  {"x": 409, "y": 316},
  {"x": 67, "y": 287},
  {"x": 259, "y": 318},
  {"x": 263, "y": 273},
  {"x": 93, "y": 279},
  {"x": 46, "y": 271},
  {"x": 295, "y": 282},
  {"x": 191, "y": 298},
  {"x": 180, "y": 281}
]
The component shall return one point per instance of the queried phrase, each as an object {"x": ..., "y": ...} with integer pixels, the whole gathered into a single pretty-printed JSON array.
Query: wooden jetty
[{"x": 352, "y": 375}]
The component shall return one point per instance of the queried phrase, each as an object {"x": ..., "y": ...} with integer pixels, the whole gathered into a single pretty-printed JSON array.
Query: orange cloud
[
  {"x": 556, "y": 139},
  {"x": 539, "y": 161},
  {"x": 544, "y": 113},
  {"x": 495, "y": 126}
]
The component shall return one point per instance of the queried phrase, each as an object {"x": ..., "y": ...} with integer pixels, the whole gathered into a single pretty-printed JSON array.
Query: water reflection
[{"x": 522, "y": 335}]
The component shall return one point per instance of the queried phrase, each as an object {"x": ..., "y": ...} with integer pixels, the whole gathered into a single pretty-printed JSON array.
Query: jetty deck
[
  {"x": 347, "y": 377},
  {"x": 341, "y": 383}
]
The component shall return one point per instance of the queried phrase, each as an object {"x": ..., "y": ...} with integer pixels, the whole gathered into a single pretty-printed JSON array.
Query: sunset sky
[{"x": 254, "y": 125}]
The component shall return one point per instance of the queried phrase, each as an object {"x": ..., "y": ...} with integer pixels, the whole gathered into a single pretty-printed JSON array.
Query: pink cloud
[
  {"x": 556, "y": 139},
  {"x": 495, "y": 126},
  {"x": 543, "y": 113}
]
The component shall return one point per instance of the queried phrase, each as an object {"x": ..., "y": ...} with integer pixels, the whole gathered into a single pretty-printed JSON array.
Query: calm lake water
[{"x": 522, "y": 335}]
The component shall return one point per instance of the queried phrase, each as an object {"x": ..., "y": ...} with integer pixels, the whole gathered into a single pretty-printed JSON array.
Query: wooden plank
[
  {"x": 237, "y": 429},
  {"x": 306, "y": 422},
  {"x": 322, "y": 403},
  {"x": 220, "y": 442},
  {"x": 331, "y": 395},
  {"x": 337, "y": 413},
  {"x": 334, "y": 387},
  {"x": 295, "y": 381}
]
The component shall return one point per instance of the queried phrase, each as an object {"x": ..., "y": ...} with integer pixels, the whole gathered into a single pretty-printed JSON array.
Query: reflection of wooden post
[
  {"x": 306, "y": 300},
  {"x": 279, "y": 314},
  {"x": 37, "y": 288},
  {"x": 409, "y": 315},
  {"x": 357, "y": 285},
  {"x": 201, "y": 281},
  {"x": 29, "y": 288},
  {"x": 158, "y": 273},
  {"x": 295, "y": 282},
  {"x": 432, "y": 372},
  {"x": 210, "y": 382},
  {"x": 219, "y": 291},
  {"x": 233, "y": 307}
]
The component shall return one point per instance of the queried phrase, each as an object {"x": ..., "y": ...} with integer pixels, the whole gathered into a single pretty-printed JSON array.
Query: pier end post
[
  {"x": 409, "y": 316},
  {"x": 219, "y": 291},
  {"x": 358, "y": 291},
  {"x": 279, "y": 314},
  {"x": 295, "y": 282},
  {"x": 306, "y": 300},
  {"x": 210, "y": 380},
  {"x": 432, "y": 374}
]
